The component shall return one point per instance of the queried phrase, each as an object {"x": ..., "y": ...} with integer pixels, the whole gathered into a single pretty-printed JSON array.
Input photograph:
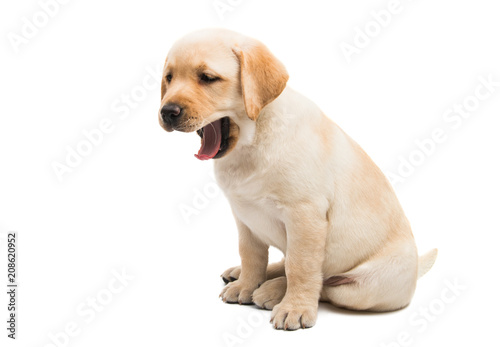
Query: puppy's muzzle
[{"x": 170, "y": 114}]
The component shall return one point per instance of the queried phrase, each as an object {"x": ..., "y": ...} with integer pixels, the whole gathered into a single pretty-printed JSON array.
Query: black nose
[{"x": 170, "y": 111}]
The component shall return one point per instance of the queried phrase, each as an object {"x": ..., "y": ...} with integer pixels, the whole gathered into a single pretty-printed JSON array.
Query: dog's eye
[
  {"x": 169, "y": 77},
  {"x": 208, "y": 79}
]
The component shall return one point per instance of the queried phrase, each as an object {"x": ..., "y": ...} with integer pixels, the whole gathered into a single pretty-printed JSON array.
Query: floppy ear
[{"x": 263, "y": 77}]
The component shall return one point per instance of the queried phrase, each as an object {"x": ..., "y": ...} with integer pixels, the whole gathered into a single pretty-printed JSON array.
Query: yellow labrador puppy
[{"x": 294, "y": 180}]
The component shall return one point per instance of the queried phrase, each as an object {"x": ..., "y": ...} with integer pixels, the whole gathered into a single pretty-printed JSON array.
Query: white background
[{"x": 120, "y": 208}]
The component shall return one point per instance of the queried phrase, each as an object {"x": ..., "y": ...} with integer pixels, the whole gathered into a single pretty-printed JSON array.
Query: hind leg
[
  {"x": 360, "y": 298},
  {"x": 382, "y": 284},
  {"x": 270, "y": 293}
]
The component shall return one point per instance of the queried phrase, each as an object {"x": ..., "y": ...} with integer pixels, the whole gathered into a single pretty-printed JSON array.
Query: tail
[{"x": 426, "y": 261}]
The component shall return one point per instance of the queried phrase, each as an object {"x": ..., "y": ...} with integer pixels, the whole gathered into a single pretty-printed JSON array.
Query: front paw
[
  {"x": 238, "y": 292},
  {"x": 289, "y": 315}
]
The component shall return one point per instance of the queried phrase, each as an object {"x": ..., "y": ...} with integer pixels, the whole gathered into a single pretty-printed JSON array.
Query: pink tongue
[{"x": 210, "y": 143}]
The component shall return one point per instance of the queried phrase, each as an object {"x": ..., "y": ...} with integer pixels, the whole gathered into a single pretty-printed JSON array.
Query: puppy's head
[{"x": 211, "y": 80}]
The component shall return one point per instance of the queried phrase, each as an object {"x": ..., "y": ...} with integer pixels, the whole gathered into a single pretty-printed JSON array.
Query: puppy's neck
[{"x": 247, "y": 131}]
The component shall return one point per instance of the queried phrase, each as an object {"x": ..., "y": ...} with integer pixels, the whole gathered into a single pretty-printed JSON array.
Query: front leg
[
  {"x": 306, "y": 229},
  {"x": 254, "y": 257}
]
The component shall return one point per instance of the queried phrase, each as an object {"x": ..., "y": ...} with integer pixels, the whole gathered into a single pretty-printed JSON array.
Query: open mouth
[{"x": 214, "y": 139}]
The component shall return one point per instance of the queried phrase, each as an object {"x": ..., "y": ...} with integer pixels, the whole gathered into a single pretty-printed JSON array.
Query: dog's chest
[
  {"x": 263, "y": 218},
  {"x": 257, "y": 209}
]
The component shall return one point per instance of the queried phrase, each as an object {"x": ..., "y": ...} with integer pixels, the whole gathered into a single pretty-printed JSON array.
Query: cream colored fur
[{"x": 297, "y": 182}]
